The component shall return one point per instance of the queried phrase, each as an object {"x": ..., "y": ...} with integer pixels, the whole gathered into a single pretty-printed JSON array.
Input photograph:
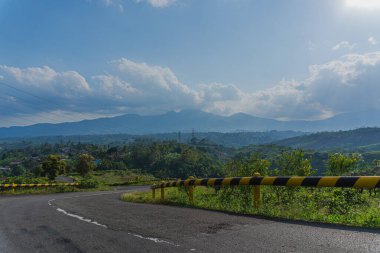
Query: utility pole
[
  {"x": 193, "y": 139},
  {"x": 179, "y": 137}
]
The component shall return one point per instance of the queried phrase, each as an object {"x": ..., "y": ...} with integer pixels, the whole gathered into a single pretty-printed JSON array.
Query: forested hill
[{"x": 362, "y": 138}]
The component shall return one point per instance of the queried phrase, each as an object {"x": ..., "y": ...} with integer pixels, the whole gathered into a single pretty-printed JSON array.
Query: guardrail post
[
  {"x": 191, "y": 191},
  {"x": 154, "y": 192},
  {"x": 162, "y": 192},
  {"x": 256, "y": 194}
]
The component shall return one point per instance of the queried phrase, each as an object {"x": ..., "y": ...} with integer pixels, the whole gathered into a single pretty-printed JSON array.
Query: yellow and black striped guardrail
[
  {"x": 150, "y": 180},
  {"x": 147, "y": 181},
  {"x": 37, "y": 185},
  {"x": 367, "y": 182},
  {"x": 359, "y": 182}
]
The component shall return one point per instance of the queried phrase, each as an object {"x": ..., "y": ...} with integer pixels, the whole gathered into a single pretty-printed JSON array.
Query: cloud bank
[{"x": 350, "y": 83}]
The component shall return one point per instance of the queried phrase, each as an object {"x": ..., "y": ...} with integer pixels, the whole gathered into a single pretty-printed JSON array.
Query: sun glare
[{"x": 363, "y": 4}]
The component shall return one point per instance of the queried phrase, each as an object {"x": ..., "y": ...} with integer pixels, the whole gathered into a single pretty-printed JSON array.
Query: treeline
[
  {"x": 164, "y": 159},
  {"x": 297, "y": 163}
]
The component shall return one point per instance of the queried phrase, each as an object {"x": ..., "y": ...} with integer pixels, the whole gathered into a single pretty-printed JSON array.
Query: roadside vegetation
[
  {"x": 330, "y": 205},
  {"x": 337, "y": 206},
  {"x": 95, "y": 181}
]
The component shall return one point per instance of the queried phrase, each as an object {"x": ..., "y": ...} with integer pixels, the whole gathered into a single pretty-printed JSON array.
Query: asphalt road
[{"x": 100, "y": 222}]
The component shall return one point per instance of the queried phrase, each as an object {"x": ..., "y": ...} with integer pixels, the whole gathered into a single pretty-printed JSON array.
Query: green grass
[
  {"x": 25, "y": 180},
  {"x": 98, "y": 181},
  {"x": 336, "y": 206},
  {"x": 50, "y": 190},
  {"x": 38, "y": 190},
  {"x": 114, "y": 178}
]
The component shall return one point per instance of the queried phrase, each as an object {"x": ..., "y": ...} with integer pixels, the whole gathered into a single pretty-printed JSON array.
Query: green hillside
[{"x": 362, "y": 139}]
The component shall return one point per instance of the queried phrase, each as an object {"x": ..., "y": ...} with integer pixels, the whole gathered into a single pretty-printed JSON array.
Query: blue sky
[{"x": 294, "y": 59}]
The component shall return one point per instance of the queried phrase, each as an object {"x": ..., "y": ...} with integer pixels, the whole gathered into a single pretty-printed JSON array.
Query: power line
[
  {"x": 9, "y": 121},
  {"x": 26, "y": 92},
  {"x": 106, "y": 129},
  {"x": 14, "y": 122},
  {"x": 39, "y": 107}
]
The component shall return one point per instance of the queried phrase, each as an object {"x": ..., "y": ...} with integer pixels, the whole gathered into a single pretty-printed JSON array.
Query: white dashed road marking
[{"x": 156, "y": 240}]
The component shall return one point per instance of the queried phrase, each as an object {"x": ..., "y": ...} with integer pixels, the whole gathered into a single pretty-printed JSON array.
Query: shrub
[{"x": 88, "y": 182}]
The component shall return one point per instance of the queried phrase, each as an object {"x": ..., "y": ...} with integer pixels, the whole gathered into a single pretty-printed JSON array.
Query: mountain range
[{"x": 189, "y": 120}]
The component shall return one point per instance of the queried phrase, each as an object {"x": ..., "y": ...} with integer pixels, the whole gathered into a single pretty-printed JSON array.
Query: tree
[
  {"x": 38, "y": 171},
  {"x": 18, "y": 170},
  {"x": 247, "y": 168},
  {"x": 376, "y": 163},
  {"x": 257, "y": 165},
  {"x": 293, "y": 163},
  {"x": 52, "y": 166},
  {"x": 340, "y": 164},
  {"x": 85, "y": 164}
]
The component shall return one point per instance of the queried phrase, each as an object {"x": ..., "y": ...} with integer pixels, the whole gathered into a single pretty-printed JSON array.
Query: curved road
[{"x": 100, "y": 222}]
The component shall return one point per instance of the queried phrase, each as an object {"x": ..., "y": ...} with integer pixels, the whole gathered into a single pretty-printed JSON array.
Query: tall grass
[{"x": 329, "y": 205}]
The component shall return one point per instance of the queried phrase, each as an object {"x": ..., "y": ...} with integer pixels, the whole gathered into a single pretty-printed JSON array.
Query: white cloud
[
  {"x": 116, "y": 3},
  {"x": 363, "y": 4},
  {"x": 139, "y": 85},
  {"x": 39, "y": 91},
  {"x": 220, "y": 92},
  {"x": 113, "y": 87},
  {"x": 158, "y": 3},
  {"x": 372, "y": 41},
  {"x": 129, "y": 87},
  {"x": 107, "y": 2},
  {"x": 311, "y": 46},
  {"x": 350, "y": 83},
  {"x": 46, "y": 80},
  {"x": 119, "y": 4},
  {"x": 343, "y": 45}
]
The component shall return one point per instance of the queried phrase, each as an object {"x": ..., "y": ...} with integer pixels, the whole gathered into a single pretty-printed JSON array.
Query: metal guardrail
[
  {"x": 2, "y": 186},
  {"x": 368, "y": 182},
  {"x": 152, "y": 180},
  {"x": 359, "y": 182},
  {"x": 142, "y": 181}
]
